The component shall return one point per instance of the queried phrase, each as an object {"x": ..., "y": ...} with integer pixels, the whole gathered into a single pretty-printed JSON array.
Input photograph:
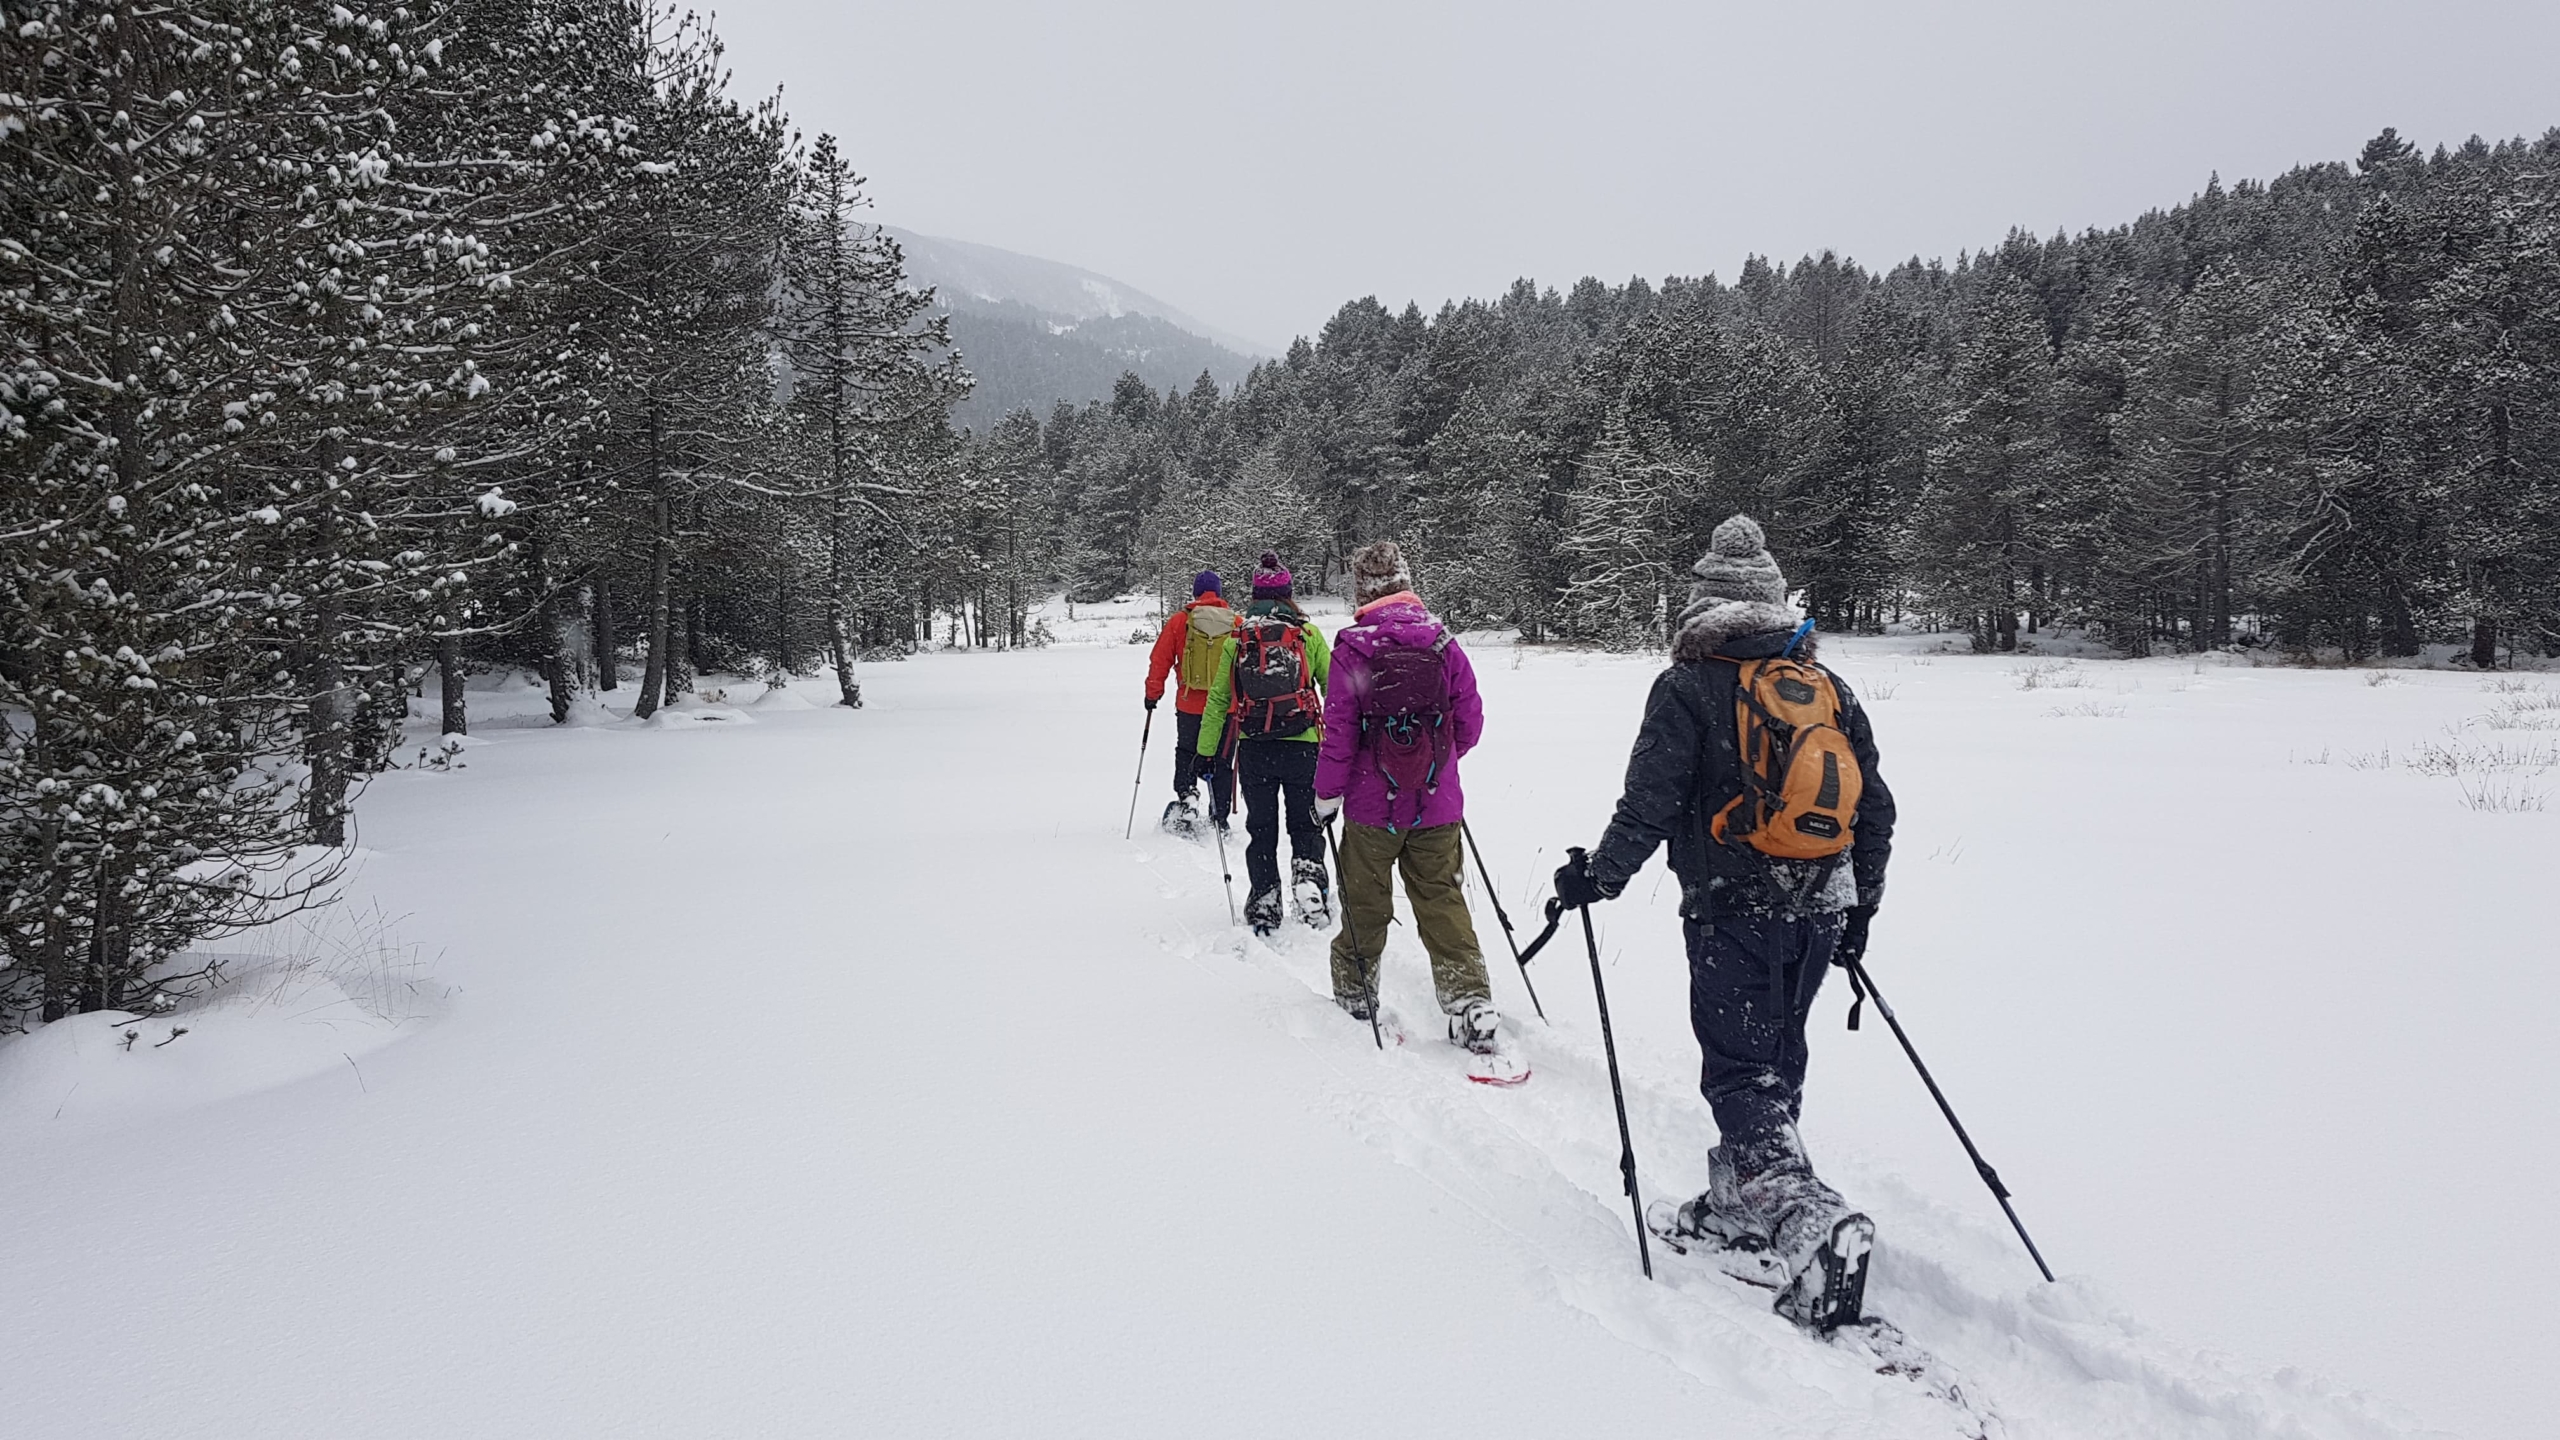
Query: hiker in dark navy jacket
[{"x": 1761, "y": 929}]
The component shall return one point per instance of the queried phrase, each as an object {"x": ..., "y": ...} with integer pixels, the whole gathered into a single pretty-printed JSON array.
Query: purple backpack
[{"x": 1404, "y": 721}]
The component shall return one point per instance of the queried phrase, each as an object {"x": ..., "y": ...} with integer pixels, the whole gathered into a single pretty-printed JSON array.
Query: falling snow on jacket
[
  {"x": 1686, "y": 765},
  {"x": 1342, "y": 768}
]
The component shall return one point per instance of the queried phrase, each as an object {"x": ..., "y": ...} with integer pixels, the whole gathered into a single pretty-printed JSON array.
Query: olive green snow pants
[{"x": 1430, "y": 859}]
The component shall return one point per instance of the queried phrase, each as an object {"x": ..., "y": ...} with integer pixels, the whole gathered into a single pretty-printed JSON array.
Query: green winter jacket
[{"x": 1213, "y": 720}]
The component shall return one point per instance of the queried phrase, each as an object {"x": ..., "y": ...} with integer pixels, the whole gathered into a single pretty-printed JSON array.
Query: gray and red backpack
[{"x": 1275, "y": 689}]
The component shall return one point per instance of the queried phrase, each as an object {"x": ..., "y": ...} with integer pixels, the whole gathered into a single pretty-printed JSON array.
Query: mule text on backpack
[
  {"x": 1800, "y": 778},
  {"x": 1404, "y": 721},
  {"x": 1274, "y": 690}
]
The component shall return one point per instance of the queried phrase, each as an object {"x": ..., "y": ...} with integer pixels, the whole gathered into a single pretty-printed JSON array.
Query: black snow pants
[
  {"x": 1190, "y": 765},
  {"x": 1279, "y": 779},
  {"x": 1752, "y": 979}
]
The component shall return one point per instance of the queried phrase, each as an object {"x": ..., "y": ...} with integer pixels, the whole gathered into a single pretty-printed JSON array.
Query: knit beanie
[
  {"x": 1271, "y": 580},
  {"x": 1203, "y": 583},
  {"x": 1378, "y": 569},
  {"x": 1737, "y": 566}
]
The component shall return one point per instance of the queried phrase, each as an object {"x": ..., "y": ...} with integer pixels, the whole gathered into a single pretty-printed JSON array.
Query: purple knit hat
[
  {"x": 1203, "y": 583},
  {"x": 1271, "y": 580}
]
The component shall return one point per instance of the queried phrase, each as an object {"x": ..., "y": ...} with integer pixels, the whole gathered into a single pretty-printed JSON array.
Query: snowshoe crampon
[{"x": 1830, "y": 1288}]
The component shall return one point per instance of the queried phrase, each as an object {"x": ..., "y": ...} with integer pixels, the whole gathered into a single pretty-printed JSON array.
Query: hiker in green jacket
[{"x": 1270, "y": 682}]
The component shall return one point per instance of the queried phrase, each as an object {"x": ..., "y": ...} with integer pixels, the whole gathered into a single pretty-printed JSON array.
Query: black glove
[
  {"x": 1576, "y": 888},
  {"x": 1151, "y": 701},
  {"x": 1853, "y": 936}
]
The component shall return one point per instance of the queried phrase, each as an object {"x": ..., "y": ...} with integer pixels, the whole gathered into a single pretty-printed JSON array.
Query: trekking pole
[
  {"x": 1500, "y": 914},
  {"x": 1223, "y": 796},
  {"x": 1144, "y": 733},
  {"x": 1617, "y": 1093},
  {"x": 1340, "y": 884},
  {"x": 1865, "y": 986}
]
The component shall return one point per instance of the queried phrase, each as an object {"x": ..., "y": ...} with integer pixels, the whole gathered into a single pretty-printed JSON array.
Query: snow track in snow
[{"x": 847, "y": 1072}]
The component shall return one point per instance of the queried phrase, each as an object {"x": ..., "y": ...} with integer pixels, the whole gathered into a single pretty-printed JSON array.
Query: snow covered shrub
[
  {"x": 2051, "y": 675},
  {"x": 2528, "y": 710}
]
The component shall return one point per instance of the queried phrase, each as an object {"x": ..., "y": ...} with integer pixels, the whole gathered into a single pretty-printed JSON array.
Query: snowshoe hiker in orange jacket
[{"x": 1190, "y": 650}]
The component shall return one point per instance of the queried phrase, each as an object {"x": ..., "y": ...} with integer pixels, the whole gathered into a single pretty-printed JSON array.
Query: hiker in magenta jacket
[{"x": 1424, "y": 841}]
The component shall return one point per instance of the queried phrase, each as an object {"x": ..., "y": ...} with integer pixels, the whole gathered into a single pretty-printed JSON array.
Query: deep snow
[{"x": 805, "y": 1072}]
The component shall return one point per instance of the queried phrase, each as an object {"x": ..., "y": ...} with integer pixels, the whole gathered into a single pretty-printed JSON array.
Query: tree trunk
[
  {"x": 2484, "y": 642},
  {"x": 2401, "y": 634},
  {"x": 457, "y": 720},
  {"x": 560, "y": 666},
  {"x": 680, "y": 656},
  {"x": 653, "y": 673},
  {"x": 608, "y": 662},
  {"x": 839, "y": 638},
  {"x": 782, "y": 620},
  {"x": 325, "y": 733}
]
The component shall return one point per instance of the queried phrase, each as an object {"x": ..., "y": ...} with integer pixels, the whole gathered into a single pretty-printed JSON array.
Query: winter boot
[
  {"x": 1476, "y": 1025},
  {"x": 1360, "y": 1007},
  {"x": 1314, "y": 896},
  {"x": 1819, "y": 1242},
  {"x": 1262, "y": 910},
  {"x": 1718, "y": 1217}
]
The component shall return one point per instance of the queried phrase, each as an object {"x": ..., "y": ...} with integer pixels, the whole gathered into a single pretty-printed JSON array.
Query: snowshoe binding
[
  {"x": 1313, "y": 896},
  {"x": 1477, "y": 1029},
  {"x": 1830, "y": 1285}
]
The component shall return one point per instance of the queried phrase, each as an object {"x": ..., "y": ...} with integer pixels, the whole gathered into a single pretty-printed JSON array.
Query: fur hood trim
[{"x": 1708, "y": 632}]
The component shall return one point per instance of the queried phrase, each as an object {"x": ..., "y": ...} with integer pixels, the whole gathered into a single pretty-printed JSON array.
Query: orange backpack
[{"x": 1800, "y": 778}]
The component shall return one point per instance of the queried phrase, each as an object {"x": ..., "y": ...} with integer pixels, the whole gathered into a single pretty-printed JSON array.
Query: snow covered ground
[{"x": 789, "y": 1071}]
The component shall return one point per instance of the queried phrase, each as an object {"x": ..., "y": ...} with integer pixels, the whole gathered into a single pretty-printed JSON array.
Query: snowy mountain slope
[
  {"x": 1035, "y": 333},
  {"x": 964, "y": 270},
  {"x": 847, "y": 1072}
]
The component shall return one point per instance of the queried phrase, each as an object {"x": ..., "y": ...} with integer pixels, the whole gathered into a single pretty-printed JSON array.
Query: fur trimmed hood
[{"x": 1715, "y": 629}]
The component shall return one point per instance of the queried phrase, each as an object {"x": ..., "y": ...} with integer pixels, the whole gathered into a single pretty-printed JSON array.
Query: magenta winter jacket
[{"x": 1341, "y": 768}]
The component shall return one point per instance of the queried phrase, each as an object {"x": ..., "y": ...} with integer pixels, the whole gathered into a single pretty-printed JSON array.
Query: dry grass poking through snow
[
  {"x": 2052, "y": 675},
  {"x": 2494, "y": 775}
]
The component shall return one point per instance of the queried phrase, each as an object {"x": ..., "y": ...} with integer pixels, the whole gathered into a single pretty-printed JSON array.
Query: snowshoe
[
  {"x": 1358, "y": 1007},
  {"x": 1830, "y": 1285},
  {"x": 1697, "y": 1228},
  {"x": 1314, "y": 899},
  {"x": 1262, "y": 911},
  {"x": 1181, "y": 818}
]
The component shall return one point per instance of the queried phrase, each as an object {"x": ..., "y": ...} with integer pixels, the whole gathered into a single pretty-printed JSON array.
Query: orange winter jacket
[{"x": 1192, "y": 693}]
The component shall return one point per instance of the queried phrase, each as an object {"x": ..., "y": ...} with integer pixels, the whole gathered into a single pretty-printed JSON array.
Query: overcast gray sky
[{"x": 1258, "y": 165}]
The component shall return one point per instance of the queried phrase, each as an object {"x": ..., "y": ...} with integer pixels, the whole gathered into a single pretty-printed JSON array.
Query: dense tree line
[
  {"x": 351, "y": 345},
  {"x": 2321, "y": 413}
]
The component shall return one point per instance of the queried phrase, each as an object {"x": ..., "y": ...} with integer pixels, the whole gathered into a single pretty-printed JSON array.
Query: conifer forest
[{"x": 354, "y": 347}]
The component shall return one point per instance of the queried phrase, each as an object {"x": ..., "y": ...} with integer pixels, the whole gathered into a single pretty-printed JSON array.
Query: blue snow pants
[{"x": 1752, "y": 979}]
